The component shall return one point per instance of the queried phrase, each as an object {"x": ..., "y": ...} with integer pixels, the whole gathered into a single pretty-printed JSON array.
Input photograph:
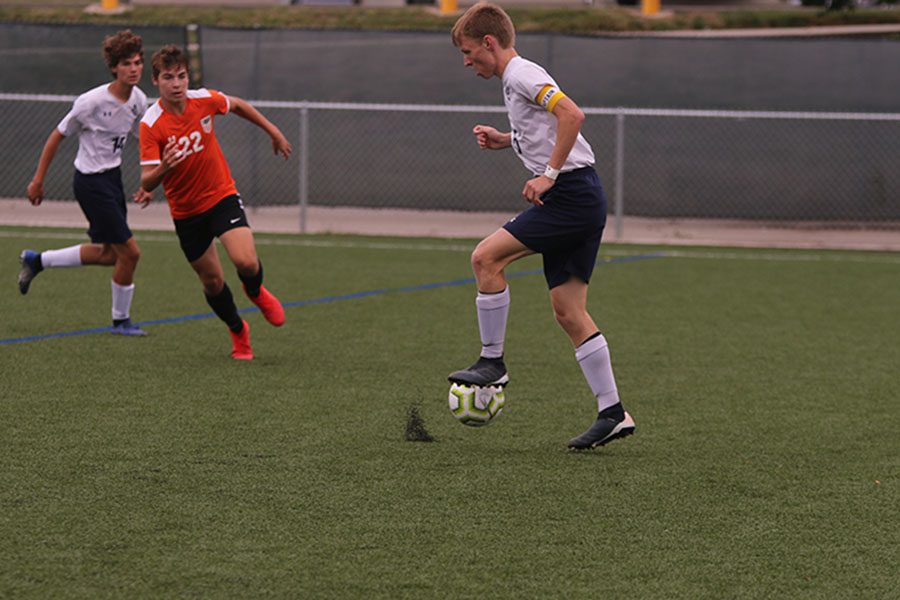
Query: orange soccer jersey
[{"x": 203, "y": 178}]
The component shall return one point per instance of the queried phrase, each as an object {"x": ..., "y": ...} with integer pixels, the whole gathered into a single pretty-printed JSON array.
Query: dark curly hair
[{"x": 121, "y": 46}]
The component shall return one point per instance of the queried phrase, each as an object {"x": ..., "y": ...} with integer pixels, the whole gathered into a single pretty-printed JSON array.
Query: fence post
[
  {"x": 620, "y": 174},
  {"x": 193, "y": 46},
  {"x": 303, "y": 152}
]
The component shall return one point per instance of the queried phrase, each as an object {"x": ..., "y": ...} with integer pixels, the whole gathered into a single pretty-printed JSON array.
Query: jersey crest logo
[{"x": 206, "y": 123}]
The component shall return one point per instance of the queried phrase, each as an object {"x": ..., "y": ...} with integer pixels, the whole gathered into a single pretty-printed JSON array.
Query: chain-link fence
[
  {"x": 67, "y": 59},
  {"x": 831, "y": 168},
  {"x": 831, "y": 74},
  {"x": 821, "y": 74}
]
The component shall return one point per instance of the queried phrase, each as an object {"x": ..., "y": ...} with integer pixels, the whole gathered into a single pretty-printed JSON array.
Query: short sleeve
[
  {"x": 71, "y": 123},
  {"x": 535, "y": 84},
  {"x": 149, "y": 146},
  {"x": 220, "y": 102}
]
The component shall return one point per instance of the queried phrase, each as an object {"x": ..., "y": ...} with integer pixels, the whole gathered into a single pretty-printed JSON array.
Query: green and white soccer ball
[{"x": 475, "y": 405}]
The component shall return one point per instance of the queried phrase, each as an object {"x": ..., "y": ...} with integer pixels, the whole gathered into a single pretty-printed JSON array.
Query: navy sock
[{"x": 224, "y": 307}]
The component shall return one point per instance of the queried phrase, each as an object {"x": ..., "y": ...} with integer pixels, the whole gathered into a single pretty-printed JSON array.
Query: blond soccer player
[{"x": 564, "y": 223}]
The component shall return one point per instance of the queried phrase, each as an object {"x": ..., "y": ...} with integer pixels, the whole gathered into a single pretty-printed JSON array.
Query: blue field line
[{"x": 322, "y": 300}]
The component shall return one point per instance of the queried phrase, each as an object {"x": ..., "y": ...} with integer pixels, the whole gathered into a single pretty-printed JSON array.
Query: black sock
[
  {"x": 494, "y": 359},
  {"x": 616, "y": 411},
  {"x": 253, "y": 282},
  {"x": 117, "y": 322},
  {"x": 38, "y": 264},
  {"x": 224, "y": 307}
]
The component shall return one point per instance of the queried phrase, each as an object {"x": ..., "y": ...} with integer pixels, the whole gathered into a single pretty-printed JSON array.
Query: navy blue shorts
[
  {"x": 566, "y": 230},
  {"x": 102, "y": 200},
  {"x": 196, "y": 233}
]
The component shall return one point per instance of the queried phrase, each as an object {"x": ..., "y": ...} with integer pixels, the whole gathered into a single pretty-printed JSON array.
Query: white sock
[
  {"x": 121, "y": 300},
  {"x": 64, "y": 257},
  {"x": 593, "y": 358},
  {"x": 492, "y": 312}
]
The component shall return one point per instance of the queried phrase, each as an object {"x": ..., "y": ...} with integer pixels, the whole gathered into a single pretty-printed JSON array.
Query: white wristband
[{"x": 551, "y": 173}]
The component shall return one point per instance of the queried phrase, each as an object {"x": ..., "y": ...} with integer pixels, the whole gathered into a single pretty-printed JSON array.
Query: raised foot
[
  {"x": 29, "y": 269},
  {"x": 485, "y": 372},
  {"x": 269, "y": 306}
]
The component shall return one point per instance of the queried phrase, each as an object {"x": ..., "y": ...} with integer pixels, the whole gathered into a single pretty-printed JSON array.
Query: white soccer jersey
[
  {"x": 530, "y": 94},
  {"x": 102, "y": 123}
]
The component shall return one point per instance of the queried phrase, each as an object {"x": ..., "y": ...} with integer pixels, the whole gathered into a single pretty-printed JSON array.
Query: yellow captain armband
[{"x": 548, "y": 97}]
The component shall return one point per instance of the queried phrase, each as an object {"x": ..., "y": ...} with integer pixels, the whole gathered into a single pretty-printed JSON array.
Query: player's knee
[
  {"x": 131, "y": 255},
  {"x": 107, "y": 256},
  {"x": 212, "y": 283},
  {"x": 246, "y": 265},
  {"x": 562, "y": 317},
  {"x": 482, "y": 262},
  {"x": 567, "y": 318}
]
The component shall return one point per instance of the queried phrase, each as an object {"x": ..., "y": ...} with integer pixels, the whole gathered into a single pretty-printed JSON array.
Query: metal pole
[
  {"x": 192, "y": 44},
  {"x": 620, "y": 174},
  {"x": 303, "y": 151}
]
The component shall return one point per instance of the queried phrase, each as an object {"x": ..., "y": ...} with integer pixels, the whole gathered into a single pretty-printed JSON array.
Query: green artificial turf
[{"x": 763, "y": 383}]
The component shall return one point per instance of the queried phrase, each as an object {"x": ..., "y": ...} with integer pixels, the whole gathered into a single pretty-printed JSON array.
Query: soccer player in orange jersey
[{"x": 179, "y": 149}]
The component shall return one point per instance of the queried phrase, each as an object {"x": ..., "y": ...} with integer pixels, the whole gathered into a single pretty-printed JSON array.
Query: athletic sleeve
[
  {"x": 149, "y": 146},
  {"x": 536, "y": 84},
  {"x": 71, "y": 123},
  {"x": 220, "y": 102}
]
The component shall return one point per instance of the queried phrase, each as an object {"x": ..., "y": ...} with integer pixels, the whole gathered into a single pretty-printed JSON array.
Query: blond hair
[{"x": 484, "y": 19}]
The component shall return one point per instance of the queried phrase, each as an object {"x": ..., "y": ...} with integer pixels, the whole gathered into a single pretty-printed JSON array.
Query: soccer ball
[{"x": 475, "y": 405}]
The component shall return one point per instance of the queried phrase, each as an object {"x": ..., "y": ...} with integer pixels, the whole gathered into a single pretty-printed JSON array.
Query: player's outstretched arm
[
  {"x": 244, "y": 109},
  {"x": 36, "y": 186},
  {"x": 489, "y": 138}
]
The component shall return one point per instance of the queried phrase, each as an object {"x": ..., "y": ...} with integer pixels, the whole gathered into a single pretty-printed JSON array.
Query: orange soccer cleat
[
  {"x": 269, "y": 306},
  {"x": 240, "y": 344}
]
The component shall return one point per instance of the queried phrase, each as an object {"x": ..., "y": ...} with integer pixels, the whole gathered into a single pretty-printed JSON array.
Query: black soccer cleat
[
  {"x": 485, "y": 371},
  {"x": 606, "y": 428}
]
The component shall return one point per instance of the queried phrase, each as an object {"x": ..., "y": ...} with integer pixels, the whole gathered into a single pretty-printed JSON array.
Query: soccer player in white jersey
[
  {"x": 564, "y": 223},
  {"x": 102, "y": 118}
]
